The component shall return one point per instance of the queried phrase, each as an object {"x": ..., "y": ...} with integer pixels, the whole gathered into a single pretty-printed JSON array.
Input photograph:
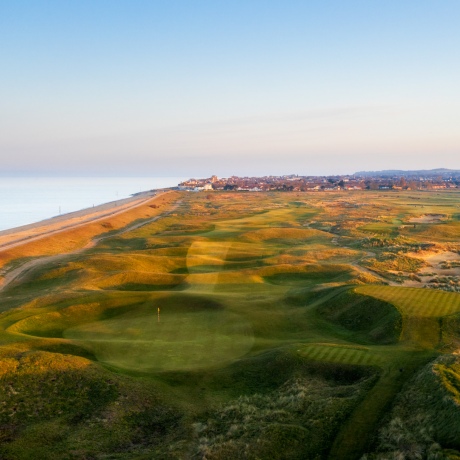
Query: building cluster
[{"x": 295, "y": 183}]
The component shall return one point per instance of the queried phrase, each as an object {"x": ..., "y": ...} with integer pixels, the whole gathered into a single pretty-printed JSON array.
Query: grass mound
[
  {"x": 61, "y": 406},
  {"x": 278, "y": 415},
  {"x": 37, "y": 386},
  {"x": 141, "y": 281},
  {"x": 268, "y": 371},
  {"x": 72, "y": 312},
  {"x": 341, "y": 353},
  {"x": 146, "y": 262},
  {"x": 186, "y": 303},
  {"x": 242, "y": 252},
  {"x": 371, "y": 319},
  {"x": 287, "y": 236},
  {"x": 310, "y": 273},
  {"x": 285, "y": 423},
  {"x": 426, "y": 416}
]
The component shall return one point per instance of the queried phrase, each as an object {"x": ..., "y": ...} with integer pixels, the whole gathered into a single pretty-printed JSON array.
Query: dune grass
[{"x": 70, "y": 240}]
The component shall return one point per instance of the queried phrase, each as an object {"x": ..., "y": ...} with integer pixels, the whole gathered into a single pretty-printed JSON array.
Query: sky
[{"x": 241, "y": 87}]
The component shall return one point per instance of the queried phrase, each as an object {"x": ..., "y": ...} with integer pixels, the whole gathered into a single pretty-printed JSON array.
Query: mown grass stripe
[
  {"x": 341, "y": 353},
  {"x": 356, "y": 356},
  {"x": 322, "y": 352},
  {"x": 329, "y": 354},
  {"x": 361, "y": 357},
  {"x": 415, "y": 301}
]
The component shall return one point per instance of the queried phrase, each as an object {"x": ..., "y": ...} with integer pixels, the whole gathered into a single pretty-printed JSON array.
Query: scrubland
[{"x": 238, "y": 326}]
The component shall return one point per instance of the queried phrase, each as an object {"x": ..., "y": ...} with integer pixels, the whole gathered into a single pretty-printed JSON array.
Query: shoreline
[
  {"x": 108, "y": 215},
  {"x": 28, "y": 200},
  {"x": 19, "y": 235}
]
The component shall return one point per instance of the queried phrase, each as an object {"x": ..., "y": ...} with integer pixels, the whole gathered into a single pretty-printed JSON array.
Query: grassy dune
[
  {"x": 233, "y": 326},
  {"x": 72, "y": 239}
]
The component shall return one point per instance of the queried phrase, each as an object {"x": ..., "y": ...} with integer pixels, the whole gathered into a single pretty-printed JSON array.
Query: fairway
[
  {"x": 416, "y": 302},
  {"x": 344, "y": 354}
]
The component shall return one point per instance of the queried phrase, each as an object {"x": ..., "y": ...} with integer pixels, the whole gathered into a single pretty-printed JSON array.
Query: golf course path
[
  {"x": 359, "y": 267},
  {"x": 17, "y": 273}
]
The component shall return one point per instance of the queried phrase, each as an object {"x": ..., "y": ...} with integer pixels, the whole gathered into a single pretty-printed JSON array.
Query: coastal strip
[
  {"x": 65, "y": 236},
  {"x": 18, "y": 235}
]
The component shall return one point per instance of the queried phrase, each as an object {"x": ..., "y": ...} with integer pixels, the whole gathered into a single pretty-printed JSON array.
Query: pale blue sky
[{"x": 228, "y": 87}]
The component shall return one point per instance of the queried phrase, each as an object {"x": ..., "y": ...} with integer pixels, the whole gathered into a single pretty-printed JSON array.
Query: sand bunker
[
  {"x": 428, "y": 219},
  {"x": 442, "y": 264}
]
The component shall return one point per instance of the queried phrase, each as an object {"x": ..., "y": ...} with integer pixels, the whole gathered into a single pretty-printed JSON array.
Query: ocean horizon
[{"x": 25, "y": 200}]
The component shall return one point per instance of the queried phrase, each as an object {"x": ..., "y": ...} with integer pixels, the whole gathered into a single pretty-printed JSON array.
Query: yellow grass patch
[
  {"x": 107, "y": 263},
  {"x": 204, "y": 252},
  {"x": 146, "y": 279},
  {"x": 227, "y": 277},
  {"x": 285, "y": 233}
]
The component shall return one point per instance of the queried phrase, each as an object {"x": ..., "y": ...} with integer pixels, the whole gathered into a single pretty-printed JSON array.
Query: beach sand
[
  {"x": 22, "y": 242},
  {"x": 16, "y": 236}
]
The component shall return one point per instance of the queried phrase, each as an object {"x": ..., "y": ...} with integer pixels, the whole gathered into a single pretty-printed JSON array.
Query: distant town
[{"x": 436, "y": 179}]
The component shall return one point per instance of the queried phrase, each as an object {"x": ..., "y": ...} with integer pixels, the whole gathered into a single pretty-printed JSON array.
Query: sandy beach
[
  {"x": 36, "y": 246},
  {"x": 16, "y": 236},
  {"x": 64, "y": 224}
]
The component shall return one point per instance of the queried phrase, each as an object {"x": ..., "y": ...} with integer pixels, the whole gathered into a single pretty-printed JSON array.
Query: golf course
[{"x": 237, "y": 325}]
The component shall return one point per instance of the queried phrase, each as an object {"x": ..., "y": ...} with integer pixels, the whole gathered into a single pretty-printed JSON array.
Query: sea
[{"x": 26, "y": 200}]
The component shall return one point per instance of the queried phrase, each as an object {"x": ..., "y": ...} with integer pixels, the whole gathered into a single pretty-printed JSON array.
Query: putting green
[{"x": 175, "y": 341}]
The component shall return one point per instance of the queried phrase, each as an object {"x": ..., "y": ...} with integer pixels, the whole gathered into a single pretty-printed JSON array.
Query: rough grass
[
  {"x": 444, "y": 232},
  {"x": 78, "y": 387},
  {"x": 300, "y": 274},
  {"x": 288, "y": 236},
  {"x": 371, "y": 319},
  {"x": 70, "y": 240},
  {"x": 62, "y": 406},
  {"x": 295, "y": 422},
  {"x": 52, "y": 319},
  {"x": 426, "y": 415},
  {"x": 141, "y": 281},
  {"x": 395, "y": 262}
]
